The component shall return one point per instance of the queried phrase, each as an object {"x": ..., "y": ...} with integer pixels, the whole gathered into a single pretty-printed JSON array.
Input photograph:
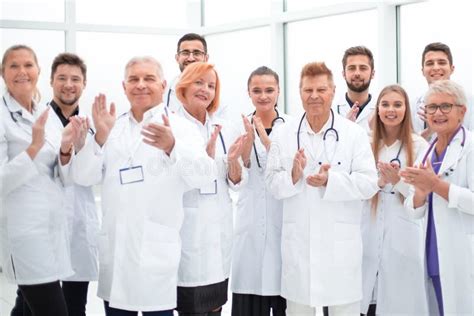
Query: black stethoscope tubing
[
  {"x": 330, "y": 129},
  {"x": 278, "y": 117}
]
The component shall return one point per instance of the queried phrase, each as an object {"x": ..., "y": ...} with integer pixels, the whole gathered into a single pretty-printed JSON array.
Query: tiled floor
[{"x": 94, "y": 305}]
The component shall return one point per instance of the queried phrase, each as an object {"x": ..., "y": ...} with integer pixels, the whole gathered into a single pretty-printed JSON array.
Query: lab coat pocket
[
  {"x": 347, "y": 245},
  {"x": 289, "y": 249},
  {"x": 407, "y": 237},
  {"x": 160, "y": 248}
]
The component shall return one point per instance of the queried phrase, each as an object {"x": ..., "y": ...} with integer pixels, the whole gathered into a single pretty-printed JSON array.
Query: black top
[
  {"x": 361, "y": 106},
  {"x": 57, "y": 110}
]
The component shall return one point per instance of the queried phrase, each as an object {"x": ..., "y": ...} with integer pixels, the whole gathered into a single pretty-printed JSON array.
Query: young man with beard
[{"x": 357, "y": 104}]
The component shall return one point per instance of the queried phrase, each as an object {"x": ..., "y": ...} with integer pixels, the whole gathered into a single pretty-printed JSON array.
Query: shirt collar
[{"x": 59, "y": 113}]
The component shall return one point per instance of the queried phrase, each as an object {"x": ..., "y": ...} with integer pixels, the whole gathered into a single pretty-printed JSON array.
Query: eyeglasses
[
  {"x": 445, "y": 108},
  {"x": 196, "y": 53}
]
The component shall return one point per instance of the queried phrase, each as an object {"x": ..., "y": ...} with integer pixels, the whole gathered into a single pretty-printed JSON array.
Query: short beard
[
  {"x": 359, "y": 89},
  {"x": 69, "y": 102}
]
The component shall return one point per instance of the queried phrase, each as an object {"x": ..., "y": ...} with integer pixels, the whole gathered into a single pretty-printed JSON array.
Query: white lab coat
[
  {"x": 33, "y": 221},
  {"x": 454, "y": 222},
  {"x": 342, "y": 107},
  {"x": 206, "y": 233},
  {"x": 83, "y": 225},
  {"x": 256, "y": 259},
  {"x": 139, "y": 244},
  {"x": 321, "y": 238},
  {"x": 393, "y": 253}
]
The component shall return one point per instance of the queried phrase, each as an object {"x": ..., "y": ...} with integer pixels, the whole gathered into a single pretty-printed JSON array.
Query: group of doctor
[{"x": 307, "y": 187}]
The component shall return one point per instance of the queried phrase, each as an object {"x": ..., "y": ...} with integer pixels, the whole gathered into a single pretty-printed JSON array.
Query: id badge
[
  {"x": 209, "y": 189},
  {"x": 131, "y": 175}
]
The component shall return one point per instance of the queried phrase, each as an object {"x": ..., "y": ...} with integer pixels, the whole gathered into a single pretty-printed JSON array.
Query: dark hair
[
  {"x": 316, "y": 69},
  {"x": 15, "y": 48},
  {"x": 437, "y": 47},
  {"x": 262, "y": 71},
  {"x": 193, "y": 37},
  {"x": 68, "y": 59},
  {"x": 358, "y": 50}
]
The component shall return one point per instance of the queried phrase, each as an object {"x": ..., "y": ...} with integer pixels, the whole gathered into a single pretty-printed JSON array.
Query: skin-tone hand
[
  {"x": 262, "y": 134},
  {"x": 421, "y": 112},
  {"x": 74, "y": 134},
  {"x": 352, "y": 114},
  {"x": 159, "y": 135},
  {"x": 235, "y": 151},
  {"x": 37, "y": 136},
  {"x": 104, "y": 119},
  {"x": 211, "y": 144},
  {"x": 389, "y": 173},
  {"x": 248, "y": 144},
  {"x": 321, "y": 178},
  {"x": 299, "y": 163},
  {"x": 425, "y": 181}
]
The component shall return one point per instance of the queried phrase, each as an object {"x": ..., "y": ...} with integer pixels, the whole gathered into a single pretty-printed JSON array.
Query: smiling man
[
  {"x": 436, "y": 64},
  {"x": 357, "y": 104}
]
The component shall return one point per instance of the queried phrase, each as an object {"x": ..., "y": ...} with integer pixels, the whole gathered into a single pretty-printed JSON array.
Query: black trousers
[
  {"x": 45, "y": 299},
  {"x": 257, "y": 305},
  {"x": 371, "y": 311},
  {"x": 74, "y": 293}
]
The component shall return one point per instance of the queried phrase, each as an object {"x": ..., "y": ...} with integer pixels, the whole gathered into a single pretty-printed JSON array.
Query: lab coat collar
[
  {"x": 13, "y": 106},
  {"x": 454, "y": 152}
]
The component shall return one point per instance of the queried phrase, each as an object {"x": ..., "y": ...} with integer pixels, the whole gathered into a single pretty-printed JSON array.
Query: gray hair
[
  {"x": 448, "y": 87},
  {"x": 145, "y": 59}
]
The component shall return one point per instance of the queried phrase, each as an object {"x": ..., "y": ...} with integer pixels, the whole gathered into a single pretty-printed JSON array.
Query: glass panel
[
  {"x": 314, "y": 40},
  {"x": 46, "y": 44},
  {"x": 295, "y": 5},
  {"x": 106, "y": 55},
  {"x": 418, "y": 28},
  {"x": 42, "y": 10},
  {"x": 236, "y": 55},
  {"x": 148, "y": 13},
  {"x": 227, "y": 11}
]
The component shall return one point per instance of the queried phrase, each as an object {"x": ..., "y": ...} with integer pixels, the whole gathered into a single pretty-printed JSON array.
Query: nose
[{"x": 141, "y": 83}]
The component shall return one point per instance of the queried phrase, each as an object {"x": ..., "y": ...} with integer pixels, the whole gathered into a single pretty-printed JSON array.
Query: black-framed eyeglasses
[
  {"x": 445, "y": 108},
  {"x": 196, "y": 53}
]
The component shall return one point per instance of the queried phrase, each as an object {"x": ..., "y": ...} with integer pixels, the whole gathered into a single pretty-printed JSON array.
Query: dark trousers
[
  {"x": 257, "y": 305},
  {"x": 216, "y": 313},
  {"x": 371, "y": 311},
  {"x": 45, "y": 299},
  {"x": 110, "y": 311},
  {"x": 75, "y": 295}
]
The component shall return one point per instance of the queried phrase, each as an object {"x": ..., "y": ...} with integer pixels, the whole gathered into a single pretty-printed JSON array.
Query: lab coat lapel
[{"x": 453, "y": 153}]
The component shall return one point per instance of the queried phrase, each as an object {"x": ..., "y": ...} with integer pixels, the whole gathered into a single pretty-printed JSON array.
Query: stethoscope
[
  {"x": 14, "y": 115},
  {"x": 276, "y": 119},
  {"x": 432, "y": 145},
  {"x": 331, "y": 129},
  {"x": 397, "y": 158},
  {"x": 398, "y": 162},
  {"x": 168, "y": 99}
]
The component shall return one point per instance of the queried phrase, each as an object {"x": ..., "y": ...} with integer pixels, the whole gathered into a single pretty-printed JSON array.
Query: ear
[
  {"x": 176, "y": 57},
  {"x": 85, "y": 83},
  {"x": 123, "y": 85},
  {"x": 206, "y": 58},
  {"x": 373, "y": 74},
  {"x": 163, "y": 84},
  {"x": 343, "y": 72}
]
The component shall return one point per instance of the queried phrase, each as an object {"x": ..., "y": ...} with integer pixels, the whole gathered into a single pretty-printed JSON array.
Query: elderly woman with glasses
[{"x": 444, "y": 192}]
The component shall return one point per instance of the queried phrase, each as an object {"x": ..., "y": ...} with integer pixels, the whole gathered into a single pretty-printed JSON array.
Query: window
[{"x": 325, "y": 40}]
